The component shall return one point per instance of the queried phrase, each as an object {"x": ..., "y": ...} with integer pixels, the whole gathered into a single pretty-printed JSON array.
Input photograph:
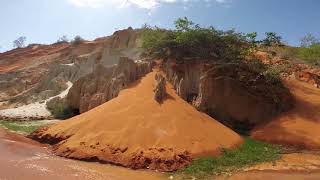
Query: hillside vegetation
[{"x": 189, "y": 41}]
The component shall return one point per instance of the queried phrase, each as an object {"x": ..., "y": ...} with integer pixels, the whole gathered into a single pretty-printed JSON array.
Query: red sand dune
[
  {"x": 301, "y": 126},
  {"x": 133, "y": 130}
]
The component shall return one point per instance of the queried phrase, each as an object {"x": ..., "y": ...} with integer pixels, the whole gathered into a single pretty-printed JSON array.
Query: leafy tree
[
  {"x": 272, "y": 39},
  {"x": 308, "y": 40},
  {"x": 252, "y": 38},
  {"x": 183, "y": 24},
  {"x": 20, "y": 42}
]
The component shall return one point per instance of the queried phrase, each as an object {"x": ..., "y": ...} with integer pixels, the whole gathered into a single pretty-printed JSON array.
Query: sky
[{"x": 44, "y": 21}]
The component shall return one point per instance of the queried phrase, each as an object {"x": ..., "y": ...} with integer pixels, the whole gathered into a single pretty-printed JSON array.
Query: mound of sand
[
  {"x": 134, "y": 130},
  {"x": 301, "y": 126}
]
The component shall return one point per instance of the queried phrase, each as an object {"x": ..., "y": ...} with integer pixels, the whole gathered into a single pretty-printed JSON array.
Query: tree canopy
[
  {"x": 190, "y": 41},
  {"x": 20, "y": 42}
]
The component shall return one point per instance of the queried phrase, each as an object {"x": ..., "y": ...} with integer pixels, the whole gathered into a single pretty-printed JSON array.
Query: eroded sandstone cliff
[
  {"x": 38, "y": 72},
  {"x": 231, "y": 93},
  {"x": 105, "y": 83}
]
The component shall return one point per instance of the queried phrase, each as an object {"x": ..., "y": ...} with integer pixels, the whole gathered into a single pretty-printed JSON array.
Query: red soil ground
[
  {"x": 301, "y": 126},
  {"x": 23, "y": 57}
]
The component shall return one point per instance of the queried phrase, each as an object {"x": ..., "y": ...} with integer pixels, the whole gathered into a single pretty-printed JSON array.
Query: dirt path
[
  {"x": 274, "y": 175},
  {"x": 294, "y": 166},
  {"x": 24, "y": 159}
]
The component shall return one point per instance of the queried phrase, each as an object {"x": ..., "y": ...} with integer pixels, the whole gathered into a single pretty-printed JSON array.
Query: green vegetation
[
  {"x": 23, "y": 127},
  {"x": 252, "y": 38},
  {"x": 309, "y": 40},
  {"x": 250, "y": 153},
  {"x": 272, "y": 73},
  {"x": 190, "y": 41},
  {"x": 60, "y": 110},
  {"x": 272, "y": 39},
  {"x": 310, "y": 49},
  {"x": 310, "y": 54}
]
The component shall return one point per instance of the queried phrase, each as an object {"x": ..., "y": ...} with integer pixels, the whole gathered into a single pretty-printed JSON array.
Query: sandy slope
[
  {"x": 301, "y": 126},
  {"x": 133, "y": 130},
  {"x": 34, "y": 110}
]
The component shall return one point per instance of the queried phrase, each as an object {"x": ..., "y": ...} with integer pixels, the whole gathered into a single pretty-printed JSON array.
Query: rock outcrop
[
  {"x": 300, "y": 71},
  {"x": 37, "y": 72},
  {"x": 105, "y": 83},
  {"x": 308, "y": 77},
  {"x": 160, "y": 89},
  {"x": 231, "y": 93}
]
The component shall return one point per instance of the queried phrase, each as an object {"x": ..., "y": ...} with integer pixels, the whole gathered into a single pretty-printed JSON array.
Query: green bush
[
  {"x": 273, "y": 75},
  {"x": 272, "y": 39},
  {"x": 256, "y": 65},
  {"x": 310, "y": 54},
  {"x": 60, "y": 110},
  {"x": 189, "y": 41}
]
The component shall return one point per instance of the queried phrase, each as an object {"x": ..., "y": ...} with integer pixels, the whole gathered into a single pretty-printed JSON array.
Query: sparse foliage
[
  {"x": 183, "y": 24},
  {"x": 272, "y": 39},
  {"x": 63, "y": 39},
  {"x": 272, "y": 73},
  {"x": 20, "y": 42},
  {"x": 60, "y": 110},
  {"x": 252, "y": 38},
  {"x": 309, "y": 40},
  {"x": 77, "y": 40}
]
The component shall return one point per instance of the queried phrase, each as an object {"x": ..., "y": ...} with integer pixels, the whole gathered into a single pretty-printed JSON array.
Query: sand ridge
[{"x": 133, "y": 130}]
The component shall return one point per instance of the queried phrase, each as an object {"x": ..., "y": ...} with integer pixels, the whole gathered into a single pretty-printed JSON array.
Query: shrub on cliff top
[
  {"x": 190, "y": 41},
  {"x": 77, "y": 40}
]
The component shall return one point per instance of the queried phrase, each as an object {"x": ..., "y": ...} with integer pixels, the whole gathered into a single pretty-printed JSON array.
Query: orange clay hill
[
  {"x": 134, "y": 130},
  {"x": 300, "y": 127}
]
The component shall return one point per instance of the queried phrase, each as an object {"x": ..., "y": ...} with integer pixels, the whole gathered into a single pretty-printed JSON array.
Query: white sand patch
[
  {"x": 35, "y": 109},
  {"x": 71, "y": 64}
]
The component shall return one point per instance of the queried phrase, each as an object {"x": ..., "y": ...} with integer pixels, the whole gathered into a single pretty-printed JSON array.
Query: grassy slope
[
  {"x": 23, "y": 127},
  {"x": 250, "y": 153}
]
